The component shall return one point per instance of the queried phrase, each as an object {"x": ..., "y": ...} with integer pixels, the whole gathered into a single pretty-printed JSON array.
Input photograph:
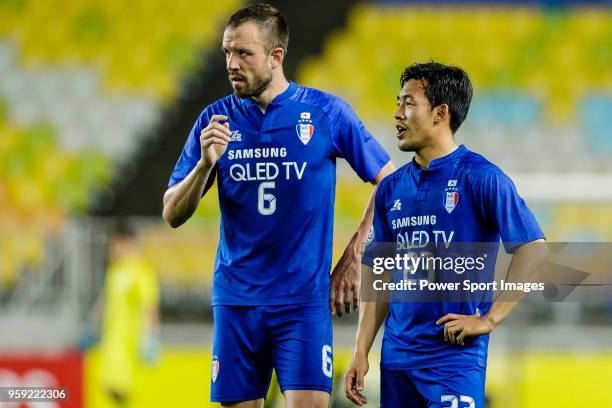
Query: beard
[{"x": 255, "y": 88}]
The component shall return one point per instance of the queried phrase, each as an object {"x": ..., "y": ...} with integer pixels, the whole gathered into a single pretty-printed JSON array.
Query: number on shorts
[
  {"x": 455, "y": 402},
  {"x": 327, "y": 364}
]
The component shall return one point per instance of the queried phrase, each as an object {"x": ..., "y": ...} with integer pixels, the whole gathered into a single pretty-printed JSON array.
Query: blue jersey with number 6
[{"x": 276, "y": 184}]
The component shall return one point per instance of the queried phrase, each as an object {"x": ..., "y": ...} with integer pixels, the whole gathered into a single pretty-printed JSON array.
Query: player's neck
[
  {"x": 427, "y": 154},
  {"x": 124, "y": 252},
  {"x": 276, "y": 87}
]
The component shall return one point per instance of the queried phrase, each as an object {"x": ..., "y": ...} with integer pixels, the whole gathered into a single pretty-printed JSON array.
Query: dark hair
[
  {"x": 444, "y": 84},
  {"x": 122, "y": 228},
  {"x": 269, "y": 20}
]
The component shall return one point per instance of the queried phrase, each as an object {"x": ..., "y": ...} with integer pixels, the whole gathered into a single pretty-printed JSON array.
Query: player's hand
[
  {"x": 88, "y": 338},
  {"x": 345, "y": 281},
  {"x": 214, "y": 139},
  {"x": 457, "y": 326},
  {"x": 354, "y": 379},
  {"x": 150, "y": 349}
]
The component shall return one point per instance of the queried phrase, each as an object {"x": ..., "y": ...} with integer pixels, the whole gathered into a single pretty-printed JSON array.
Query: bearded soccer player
[
  {"x": 434, "y": 353},
  {"x": 272, "y": 146}
]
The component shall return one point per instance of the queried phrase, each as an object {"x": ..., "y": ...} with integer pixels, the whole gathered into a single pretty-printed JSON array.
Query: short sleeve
[
  {"x": 506, "y": 211},
  {"x": 191, "y": 152},
  {"x": 353, "y": 142}
]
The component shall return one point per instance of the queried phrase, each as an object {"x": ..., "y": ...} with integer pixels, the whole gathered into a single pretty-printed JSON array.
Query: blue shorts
[
  {"x": 445, "y": 386},
  {"x": 295, "y": 340}
]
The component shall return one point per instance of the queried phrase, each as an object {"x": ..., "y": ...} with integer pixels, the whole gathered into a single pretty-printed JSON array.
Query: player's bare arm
[
  {"x": 526, "y": 261},
  {"x": 182, "y": 199},
  {"x": 371, "y": 317},
  {"x": 345, "y": 278}
]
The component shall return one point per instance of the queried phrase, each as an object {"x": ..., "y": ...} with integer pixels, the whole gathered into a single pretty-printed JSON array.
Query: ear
[
  {"x": 278, "y": 55},
  {"x": 441, "y": 114}
]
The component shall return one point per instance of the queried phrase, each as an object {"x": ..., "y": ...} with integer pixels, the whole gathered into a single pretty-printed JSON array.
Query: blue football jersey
[
  {"x": 276, "y": 184},
  {"x": 460, "y": 198}
]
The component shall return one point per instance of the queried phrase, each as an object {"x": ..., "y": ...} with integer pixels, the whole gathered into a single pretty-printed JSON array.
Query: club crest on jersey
[
  {"x": 451, "y": 200},
  {"x": 305, "y": 128},
  {"x": 215, "y": 368}
]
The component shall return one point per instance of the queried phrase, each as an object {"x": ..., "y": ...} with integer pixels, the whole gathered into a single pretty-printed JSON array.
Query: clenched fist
[{"x": 214, "y": 139}]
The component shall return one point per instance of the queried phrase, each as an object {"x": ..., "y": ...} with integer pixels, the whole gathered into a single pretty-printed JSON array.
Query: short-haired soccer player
[
  {"x": 273, "y": 145},
  {"x": 434, "y": 353}
]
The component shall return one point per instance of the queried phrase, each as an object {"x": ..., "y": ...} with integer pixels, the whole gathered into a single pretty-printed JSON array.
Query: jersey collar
[
  {"x": 279, "y": 99},
  {"x": 286, "y": 94},
  {"x": 444, "y": 160}
]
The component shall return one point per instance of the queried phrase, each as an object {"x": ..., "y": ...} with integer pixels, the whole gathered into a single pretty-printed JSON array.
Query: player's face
[
  {"x": 248, "y": 64},
  {"x": 118, "y": 246},
  {"x": 414, "y": 117}
]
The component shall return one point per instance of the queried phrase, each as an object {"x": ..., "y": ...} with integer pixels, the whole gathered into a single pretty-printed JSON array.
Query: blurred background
[{"x": 97, "y": 98}]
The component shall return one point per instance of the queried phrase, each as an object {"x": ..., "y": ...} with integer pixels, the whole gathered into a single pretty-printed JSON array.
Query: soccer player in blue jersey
[
  {"x": 272, "y": 146},
  {"x": 434, "y": 353}
]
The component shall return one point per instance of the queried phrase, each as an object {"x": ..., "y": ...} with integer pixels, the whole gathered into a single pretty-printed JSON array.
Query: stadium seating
[
  {"x": 539, "y": 74},
  {"x": 80, "y": 81},
  {"x": 140, "y": 46},
  {"x": 39, "y": 185}
]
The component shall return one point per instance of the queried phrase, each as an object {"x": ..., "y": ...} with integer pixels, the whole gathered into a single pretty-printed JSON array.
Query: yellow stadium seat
[
  {"x": 535, "y": 51},
  {"x": 121, "y": 39}
]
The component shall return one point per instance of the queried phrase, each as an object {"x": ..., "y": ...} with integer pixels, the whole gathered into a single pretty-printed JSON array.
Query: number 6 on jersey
[{"x": 266, "y": 202}]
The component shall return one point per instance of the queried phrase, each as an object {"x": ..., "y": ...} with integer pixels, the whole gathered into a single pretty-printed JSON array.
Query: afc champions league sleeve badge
[
  {"x": 215, "y": 368},
  {"x": 451, "y": 196},
  {"x": 305, "y": 128},
  {"x": 370, "y": 237}
]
